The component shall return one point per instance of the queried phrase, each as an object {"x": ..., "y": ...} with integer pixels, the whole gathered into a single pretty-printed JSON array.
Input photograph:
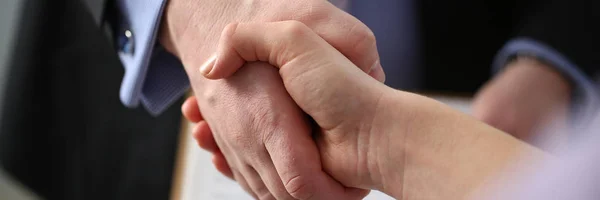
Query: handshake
[
  {"x": 292, "y": 106},
  {"x": 357, "y": 134}
]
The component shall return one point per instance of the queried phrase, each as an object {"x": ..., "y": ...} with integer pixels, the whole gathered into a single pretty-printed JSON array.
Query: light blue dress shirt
[
  {"x": 152, "y": 76},
  {"x": 157, "y": 79}
]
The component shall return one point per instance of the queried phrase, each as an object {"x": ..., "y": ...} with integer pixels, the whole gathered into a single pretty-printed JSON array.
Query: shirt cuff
[
  {"x": 166, "y": 81},
  {"x": 152, "y": 75},
  {"x": 585, "y": 96}
]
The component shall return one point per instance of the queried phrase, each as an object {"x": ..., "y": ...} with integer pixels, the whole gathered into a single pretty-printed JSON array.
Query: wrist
[
  {"x": 387, "y": 150},
  {"x": 402, "y": 117},
  {"x": 186, "y": 31},
  {"x": 164, "y": 39},
  {"x": 430, "y": 149},
  {"x": 170, "y": 31},
  {"x": 183, "y": 34}
]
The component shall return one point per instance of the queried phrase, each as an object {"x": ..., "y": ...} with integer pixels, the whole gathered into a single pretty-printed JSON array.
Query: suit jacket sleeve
[
  {"x": 569, "y": 26},
  {"x": 153, "y": 77},
  {"x": 562, "y": 34}
]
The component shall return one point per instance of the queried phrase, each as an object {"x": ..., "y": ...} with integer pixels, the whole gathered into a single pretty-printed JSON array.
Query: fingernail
[{"x": 208, "y": 65}]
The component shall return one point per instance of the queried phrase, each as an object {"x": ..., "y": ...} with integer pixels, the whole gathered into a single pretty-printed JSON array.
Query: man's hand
[
  {"x": 526, "y": 97},
  {"x": 263, "y": 136}
]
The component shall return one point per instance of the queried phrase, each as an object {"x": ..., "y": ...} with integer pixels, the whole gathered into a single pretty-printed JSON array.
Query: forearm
[{"x": 447, "y": 154}]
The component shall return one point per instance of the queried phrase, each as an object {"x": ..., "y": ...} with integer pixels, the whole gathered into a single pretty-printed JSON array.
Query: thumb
[
  {"x": 276, "y": 43},
  {"x": 237, "y": 38},
  {"x": 322, "y": 81}
]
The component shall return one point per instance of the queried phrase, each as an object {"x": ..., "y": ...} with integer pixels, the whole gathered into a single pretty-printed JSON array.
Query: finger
[
  {"x": 344, "y": 32},
  {"x": 190, "y": 110},
  {"x": 242, "y": 181},
  {"x": 297, "y": 162},
  {"x": 351, "y": 37},
  {"x": 204, "y": 137},
  {"x": 256, "y": 183},
  {"x": 276, "y": 43},
  {"x": 221, "y": 165},
  {"x": 269, "y": 175},
  {"x": 348, "y": 35}
]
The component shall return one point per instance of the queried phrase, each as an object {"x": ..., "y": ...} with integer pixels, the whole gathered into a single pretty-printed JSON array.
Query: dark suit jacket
[{"x": 64, "y": 133}]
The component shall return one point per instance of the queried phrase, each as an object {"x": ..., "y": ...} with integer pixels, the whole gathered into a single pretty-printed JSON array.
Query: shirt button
[{"x": 125, "y": 42}]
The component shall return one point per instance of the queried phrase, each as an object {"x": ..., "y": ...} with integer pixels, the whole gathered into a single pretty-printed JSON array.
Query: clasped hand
[
  {"x": 369, "y": 136},
  {"x": 327, "y": 86},
  {"x": 264, "y": 140},
  {"x": 258, "y": 130}
]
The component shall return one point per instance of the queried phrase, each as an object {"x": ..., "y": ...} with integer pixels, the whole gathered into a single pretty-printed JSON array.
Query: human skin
[
  {"x": 371, "y": 136},
  {"x": 526, "y": 99},
  {"x": 253, "y": 119}
]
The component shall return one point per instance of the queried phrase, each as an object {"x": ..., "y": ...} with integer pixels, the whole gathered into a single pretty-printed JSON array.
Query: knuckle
[
  {"x": 229, "y": 30},
  {"x": 234, "y": 35},
  {"x": 362, "y": 37},
  {"x": 298, "y": 187},
  {"x": 231, "y": 27},
  {"x": 362, "y": 46},
  {"x": 295, "y": 29},
  {"x": 211, "y": 96}
]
